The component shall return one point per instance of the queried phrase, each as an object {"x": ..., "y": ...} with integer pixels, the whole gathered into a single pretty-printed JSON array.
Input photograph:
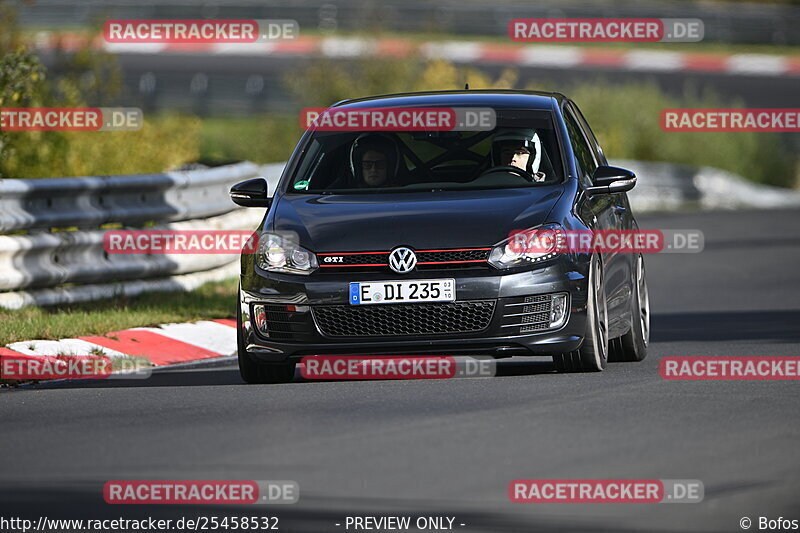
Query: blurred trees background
[
  {"x": 87, "y": 78},
  {"x": 625, "y": 117}
]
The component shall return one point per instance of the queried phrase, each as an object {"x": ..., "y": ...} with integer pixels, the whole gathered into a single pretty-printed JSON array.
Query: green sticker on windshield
[{"x": 301, "y": 185}]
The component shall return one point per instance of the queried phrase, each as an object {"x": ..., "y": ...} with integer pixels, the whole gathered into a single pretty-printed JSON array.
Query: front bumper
[{"x": 497, "y": 339}]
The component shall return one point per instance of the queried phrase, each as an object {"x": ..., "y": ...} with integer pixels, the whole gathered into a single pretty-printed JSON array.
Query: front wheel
[
  {"x": 592, "y": 356},
  {"x": 633, "y": 345}
]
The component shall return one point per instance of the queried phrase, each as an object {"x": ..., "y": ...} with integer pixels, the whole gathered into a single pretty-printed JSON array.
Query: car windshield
[{"x": 521, "y": 151}]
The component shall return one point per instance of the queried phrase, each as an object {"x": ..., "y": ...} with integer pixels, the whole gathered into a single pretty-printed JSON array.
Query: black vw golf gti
[{"x": 400, "y": 243}]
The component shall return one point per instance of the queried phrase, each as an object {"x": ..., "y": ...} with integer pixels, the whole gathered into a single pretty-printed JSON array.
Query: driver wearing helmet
[
  {"x": 374, "y": 161},
  {"x": 519, "y": 148}
]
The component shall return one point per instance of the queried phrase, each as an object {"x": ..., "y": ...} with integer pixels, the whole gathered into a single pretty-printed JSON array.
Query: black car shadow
[{"x": 229, "y": 375}]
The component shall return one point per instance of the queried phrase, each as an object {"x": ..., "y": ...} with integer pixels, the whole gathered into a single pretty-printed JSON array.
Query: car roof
[{"x": 496, "y": 98}]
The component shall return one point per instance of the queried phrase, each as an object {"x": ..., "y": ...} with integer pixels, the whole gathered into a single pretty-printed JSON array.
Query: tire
[
  {"x": 592, "y": 356},
  {"x": 633, "y": 345},
  {"x": 256, "y": 373}
]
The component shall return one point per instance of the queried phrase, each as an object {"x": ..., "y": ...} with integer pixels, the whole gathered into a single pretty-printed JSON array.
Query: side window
[
  {"x": 580, "y": 146},
  {"x": 600, "y": 157}
]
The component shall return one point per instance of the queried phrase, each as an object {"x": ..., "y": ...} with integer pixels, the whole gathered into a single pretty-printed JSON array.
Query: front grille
[
  {"x": 452, "y": 256},
  {"x": 403, "y": 319},
  {"x": 426, "y": 260},
  {"x": 529, "y": 314}
]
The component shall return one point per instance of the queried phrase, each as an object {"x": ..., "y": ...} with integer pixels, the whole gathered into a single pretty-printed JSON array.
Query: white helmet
[{"x": 527, "y": 138}]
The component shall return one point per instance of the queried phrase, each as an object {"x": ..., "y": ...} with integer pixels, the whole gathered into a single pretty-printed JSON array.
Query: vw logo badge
[{"x": 402, "y": 260}]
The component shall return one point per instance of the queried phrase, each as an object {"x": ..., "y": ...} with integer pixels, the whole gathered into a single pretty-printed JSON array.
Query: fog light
[
  {"x": 260, "y": 319},
  {"x": 558, "y": 310}
]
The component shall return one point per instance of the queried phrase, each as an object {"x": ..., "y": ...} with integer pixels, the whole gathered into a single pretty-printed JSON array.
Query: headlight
[
  {"x": 277, "y": 253},
  {"x": 527, "y": 247}
]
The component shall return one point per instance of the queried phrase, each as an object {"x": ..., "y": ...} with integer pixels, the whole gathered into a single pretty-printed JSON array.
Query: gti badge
[{"x": 402, "y": 260}]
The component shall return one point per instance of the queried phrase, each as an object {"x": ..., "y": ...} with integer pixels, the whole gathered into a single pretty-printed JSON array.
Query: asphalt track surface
[{"x": 451, "y": 447}]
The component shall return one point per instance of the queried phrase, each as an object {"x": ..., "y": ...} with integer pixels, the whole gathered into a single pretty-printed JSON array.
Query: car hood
[{"x": 425, "y": 220}]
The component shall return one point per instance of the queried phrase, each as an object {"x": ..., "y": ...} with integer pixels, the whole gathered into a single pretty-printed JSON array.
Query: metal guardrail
[
  {"x": 39, "y": 259},
  {"x": 89, "y": 202}
]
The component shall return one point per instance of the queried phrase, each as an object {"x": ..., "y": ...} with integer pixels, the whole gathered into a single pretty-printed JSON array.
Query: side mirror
[
  {"x": 608, "y": 180},
  {"x": 251, "y": 193}
]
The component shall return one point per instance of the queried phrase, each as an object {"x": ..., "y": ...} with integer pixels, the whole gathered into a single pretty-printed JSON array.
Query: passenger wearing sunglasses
[{"x": 373, "y": 160}]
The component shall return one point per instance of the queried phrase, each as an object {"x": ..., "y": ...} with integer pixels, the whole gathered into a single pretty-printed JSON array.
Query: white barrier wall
[{"x": 51, "y": 231}]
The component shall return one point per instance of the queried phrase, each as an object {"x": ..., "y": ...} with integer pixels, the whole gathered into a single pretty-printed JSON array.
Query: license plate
[{"x": 406, "y": 291}]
